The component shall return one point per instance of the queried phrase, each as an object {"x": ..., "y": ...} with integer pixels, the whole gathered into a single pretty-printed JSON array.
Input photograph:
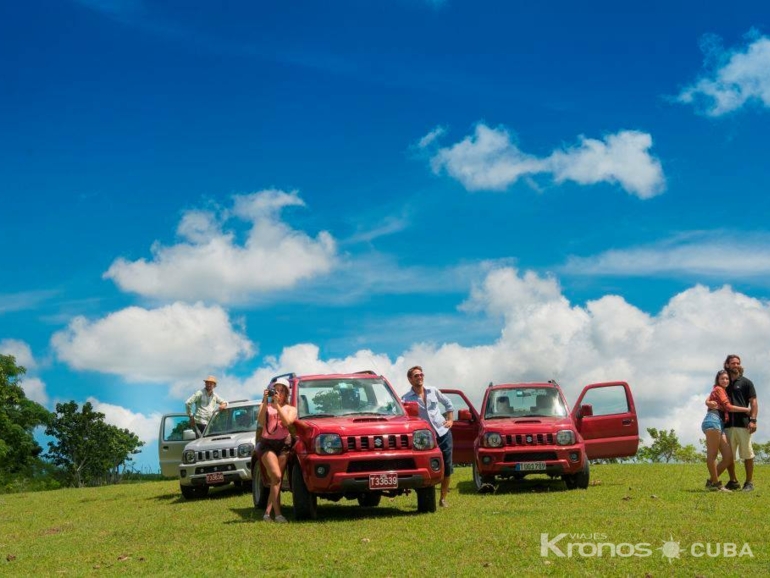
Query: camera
[{"x": 270, "y": 393}]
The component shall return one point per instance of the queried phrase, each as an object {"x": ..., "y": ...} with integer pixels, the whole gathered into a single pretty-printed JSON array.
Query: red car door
[
  {"x": 465, "y": 430},
  {"x": 606, "y": 418}
]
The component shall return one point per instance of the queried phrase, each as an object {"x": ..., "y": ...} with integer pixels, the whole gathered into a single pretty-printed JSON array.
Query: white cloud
[
  {"x": 163, "y": 344},
  {"x": 621, "y": 158},
  {"x": 669, "y": 359},
  {"x": 740, "y": 76},
  {"x": 20, "y": 351},
  {"x": 145, "y": 427},
  {"x": 429, "y": 138},
  {"x": 34, "y": 387},
  {"x": 705, "y": 254},
  {"x": 489, "y": 160},
  {"x": 209, "y": 263},
  {"x": 486, "y": 160}
]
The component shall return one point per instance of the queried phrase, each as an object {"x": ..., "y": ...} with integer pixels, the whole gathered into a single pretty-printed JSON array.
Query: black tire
[
  {"x": 569, "y": 480},
  {"x": 582, "y": 477},
  {"x": 259, "y": 492},
  {"x": 370, "y": 500},
  {"x": 482, "y": 483},
  {"x": 193, "y": 492},
  {"x": 426, "y": 499},
  {"x": 188, "y": 492},
  {"x": 305, "y": 502}
]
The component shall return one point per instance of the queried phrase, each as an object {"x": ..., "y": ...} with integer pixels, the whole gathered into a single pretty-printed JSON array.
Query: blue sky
[{"x": 496, "y": 190}]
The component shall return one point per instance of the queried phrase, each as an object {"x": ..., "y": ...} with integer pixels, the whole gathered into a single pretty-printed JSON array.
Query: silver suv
[{"x": 220, "y": 456}]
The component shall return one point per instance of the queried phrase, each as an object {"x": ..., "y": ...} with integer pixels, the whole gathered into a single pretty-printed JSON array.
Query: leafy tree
[
  {"x": 664, "y": 447},
  {"x": 88, "y": 450},
  {"x": 19, "y": 417},
  {"x": 689, "y": 455},
  {"x": 761, "y": 452}
]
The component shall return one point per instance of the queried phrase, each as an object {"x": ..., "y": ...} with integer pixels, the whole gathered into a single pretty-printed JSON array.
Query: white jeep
[{"x": 220, "y": 456}]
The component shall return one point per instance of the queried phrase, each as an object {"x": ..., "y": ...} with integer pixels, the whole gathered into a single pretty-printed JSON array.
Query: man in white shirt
[{"x": 206, "y": 402}]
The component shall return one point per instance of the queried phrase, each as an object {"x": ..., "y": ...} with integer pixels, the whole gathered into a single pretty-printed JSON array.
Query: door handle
[{"x": 627, "y": 421}]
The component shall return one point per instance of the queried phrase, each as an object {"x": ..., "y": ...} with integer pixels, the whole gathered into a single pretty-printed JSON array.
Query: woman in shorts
[
  {"x": 275, "y": 417},
  {"x": 713, "y": 427}
]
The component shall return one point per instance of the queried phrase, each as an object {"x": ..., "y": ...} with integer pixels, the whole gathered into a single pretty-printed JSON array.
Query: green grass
[{"x": 148, "y": 529}]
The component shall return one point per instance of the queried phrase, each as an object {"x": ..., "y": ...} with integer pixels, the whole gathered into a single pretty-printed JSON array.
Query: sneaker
[
  {"x": 733, "y": 485},
  {"x": 715, "y": 487},
  {"x": 267, "y": 518},
  {"x": 748, "y": 487},
  {"x": 442, "y": 503},
  {"x": 708, "y": 484},
  {"x": 281, "y": 520}
]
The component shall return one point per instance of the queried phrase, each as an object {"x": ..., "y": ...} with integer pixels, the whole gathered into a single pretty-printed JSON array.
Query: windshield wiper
[
  {"x": 499, "y": 417},
  {"x": 318, "y": 415}
]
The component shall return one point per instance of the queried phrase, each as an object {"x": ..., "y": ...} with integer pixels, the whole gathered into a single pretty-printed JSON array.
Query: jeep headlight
[
  {"x": 565, "y": 437},
  {"x": 245, "y": 450},
  {"x": 493, "y": 440},
  {"x": 328, "y": 444},
  {"x": 423, "y": 439},
  {"x": 188, "y": 457}
]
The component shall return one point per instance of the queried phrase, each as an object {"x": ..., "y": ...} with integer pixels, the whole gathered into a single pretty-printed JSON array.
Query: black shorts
[{"x": 278, "y": 447}]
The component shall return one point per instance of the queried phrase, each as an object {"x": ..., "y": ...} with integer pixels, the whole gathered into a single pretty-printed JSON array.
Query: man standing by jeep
[
  {"x": 205, "y": 402},
  {"x": 427, "y": 399},
  {"x": 740, "y": 426}
]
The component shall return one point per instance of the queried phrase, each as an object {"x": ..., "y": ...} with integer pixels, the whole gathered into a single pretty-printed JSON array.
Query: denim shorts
[
  {"x": 712, "y": 421},
  {"x": 445, "y": 445}
]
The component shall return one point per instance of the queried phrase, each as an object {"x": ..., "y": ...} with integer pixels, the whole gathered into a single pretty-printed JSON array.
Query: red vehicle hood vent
[
  {"x": 529, "y": 421},
  {"x": 363, "y": 419}
]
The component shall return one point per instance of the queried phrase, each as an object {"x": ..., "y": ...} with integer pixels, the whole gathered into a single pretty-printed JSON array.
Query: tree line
[{"x": 84, "y": 451}]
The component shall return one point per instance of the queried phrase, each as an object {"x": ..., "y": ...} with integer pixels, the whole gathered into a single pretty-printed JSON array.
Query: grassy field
[{"x": 637, "y": 512}]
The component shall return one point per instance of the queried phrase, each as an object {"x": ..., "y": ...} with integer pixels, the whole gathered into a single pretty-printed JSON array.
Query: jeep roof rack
[
  {"x": 291, "y": 375},
  {"x": 367, "y": 371}
]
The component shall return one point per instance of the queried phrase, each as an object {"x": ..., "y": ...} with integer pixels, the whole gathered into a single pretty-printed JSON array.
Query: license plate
[
  {"x": 383, "y": 481},
  {"x": 215, "y": 478},
  {"x": 530, "y": 466}
]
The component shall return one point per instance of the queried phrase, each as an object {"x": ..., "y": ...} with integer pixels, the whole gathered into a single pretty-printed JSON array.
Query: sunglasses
[{"x": 416, "y": 375}]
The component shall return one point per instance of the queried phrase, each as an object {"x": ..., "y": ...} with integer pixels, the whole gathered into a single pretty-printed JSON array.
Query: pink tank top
[{"x": 274, "y": 429}]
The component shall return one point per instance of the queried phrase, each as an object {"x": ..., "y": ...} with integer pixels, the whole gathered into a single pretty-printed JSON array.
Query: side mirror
[
  {"x": 188, "y": 435},
  {"x": 586, "y": 410},
  {"x": 464, "y": 415},
  {"x": 412, "y": 409}
]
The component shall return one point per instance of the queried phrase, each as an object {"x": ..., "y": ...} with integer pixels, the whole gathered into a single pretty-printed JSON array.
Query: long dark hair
[{"x": 720, "y": 372}]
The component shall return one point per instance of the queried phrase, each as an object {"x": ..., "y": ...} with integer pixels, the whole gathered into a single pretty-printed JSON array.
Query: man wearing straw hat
[{"x": 205, "y": 402}]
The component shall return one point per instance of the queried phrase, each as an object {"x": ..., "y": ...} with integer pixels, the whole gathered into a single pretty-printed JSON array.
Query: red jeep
[
  {"x": 526, "y": 428},
  {"x": 355, "y": 439}
]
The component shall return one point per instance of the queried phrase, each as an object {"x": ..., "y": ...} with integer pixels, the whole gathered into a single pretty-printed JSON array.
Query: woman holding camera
[{"x": 275, "y": 417}]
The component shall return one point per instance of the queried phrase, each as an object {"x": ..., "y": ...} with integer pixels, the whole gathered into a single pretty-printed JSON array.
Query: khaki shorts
[{"x": 740, "y": 439}]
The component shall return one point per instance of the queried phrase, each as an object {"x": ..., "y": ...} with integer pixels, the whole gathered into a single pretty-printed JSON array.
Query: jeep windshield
[
  {"x": 233, "y": 420},
  {"x": 524, "y": 402},
  {"x": 323, "y": 398}
]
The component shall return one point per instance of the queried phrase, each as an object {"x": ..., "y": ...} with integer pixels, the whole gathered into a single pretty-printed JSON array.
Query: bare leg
[
  {"x": 749, "y": 469},
  {"x": 445, "y": 487},
  {"x": 713, "y": 437},
  {"x": 273, "y": 467},
  {"x": 727, "y": 460}
]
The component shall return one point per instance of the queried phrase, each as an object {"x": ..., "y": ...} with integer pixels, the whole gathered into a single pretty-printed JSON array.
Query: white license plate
[
  {"x": 215, "y": 478},
  {"x": 383, "y": 481},
  {"x": 530, "y": 466}
]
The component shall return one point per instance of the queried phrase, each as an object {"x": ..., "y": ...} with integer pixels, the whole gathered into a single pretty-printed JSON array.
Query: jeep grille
[
  {"x": 530, "y": 457},
  {"x": 355, "y": 467},
  {"x": 378, "y": 442},
  {"x": 208, "y": 455},
  {"x": 529, "y": 439}
]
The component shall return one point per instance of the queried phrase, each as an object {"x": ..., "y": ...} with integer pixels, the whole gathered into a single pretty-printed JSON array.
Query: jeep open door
[
  {"x": 465, "y": 428},
  {"x": 171, "y": 442},
  {"x": 606, "y": 418}
]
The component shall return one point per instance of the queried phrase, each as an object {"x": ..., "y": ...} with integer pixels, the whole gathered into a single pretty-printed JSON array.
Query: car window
[
  {"x": 457, "y": 402},
  {"x": 233, "y": 420},
  {"x": 346, "y": 396},
  {"x": 607, "y": 400},
  {"x": 525, "y": 402},
  {"x": 174, "y": 426}
]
